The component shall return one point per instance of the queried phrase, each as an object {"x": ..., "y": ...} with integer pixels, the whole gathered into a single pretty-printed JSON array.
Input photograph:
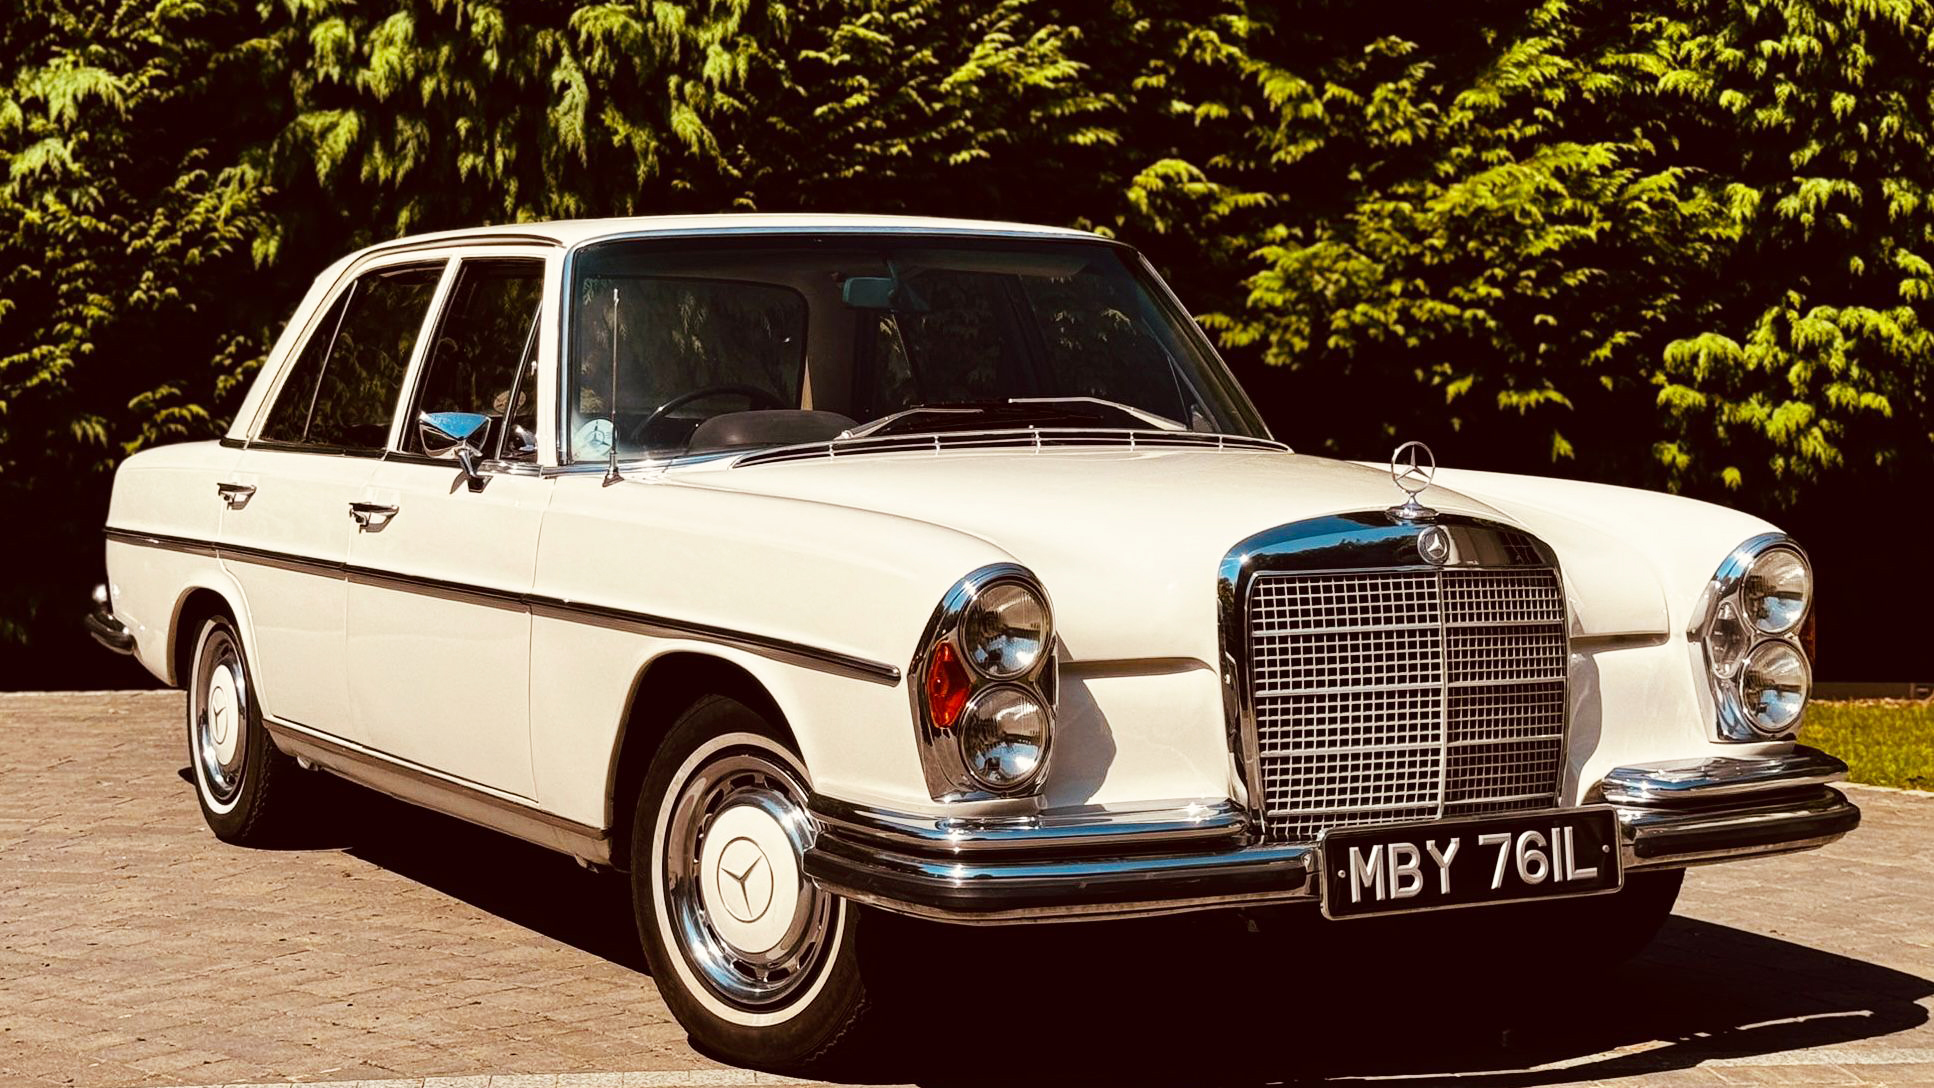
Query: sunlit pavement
[{"x": 403, "y": 948}]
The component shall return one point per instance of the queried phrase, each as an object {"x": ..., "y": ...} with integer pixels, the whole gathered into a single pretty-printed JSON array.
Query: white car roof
[{"x": 570, "y": 232}]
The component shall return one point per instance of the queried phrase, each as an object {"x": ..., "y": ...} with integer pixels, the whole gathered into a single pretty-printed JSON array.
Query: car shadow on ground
[
  {"x": 1225, "y": 998},
  {"x": 539, "y": 889},
  {"x": 1203, "y": 1000}
]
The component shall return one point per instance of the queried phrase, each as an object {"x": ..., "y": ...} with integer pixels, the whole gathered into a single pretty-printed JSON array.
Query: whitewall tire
[
  {"x": 758, "y": 963},
  {"x": 242, "y": 780}
]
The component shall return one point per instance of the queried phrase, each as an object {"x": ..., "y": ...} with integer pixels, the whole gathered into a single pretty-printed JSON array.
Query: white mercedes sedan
[{"x": 811, "y": 567}]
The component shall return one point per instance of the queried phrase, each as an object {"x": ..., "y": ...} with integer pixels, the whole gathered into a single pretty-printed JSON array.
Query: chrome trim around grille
[{"x": 1355, "y": 670}]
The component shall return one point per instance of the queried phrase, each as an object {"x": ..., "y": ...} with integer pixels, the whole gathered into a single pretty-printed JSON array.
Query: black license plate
[{"x": 1462, "y": 863}]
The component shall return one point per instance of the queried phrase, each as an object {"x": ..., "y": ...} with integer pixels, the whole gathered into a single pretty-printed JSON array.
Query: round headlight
[
  {"x": 1004, "y": 737},
  {"x": 1778, "y": 587},
  {"x": 1005, "y": 630},
  {"x": 1773, "y": 687}
]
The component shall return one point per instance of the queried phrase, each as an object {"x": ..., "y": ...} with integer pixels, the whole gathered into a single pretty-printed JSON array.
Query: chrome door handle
[
  {"x": 371, "y": 515},
  {"x": 235, "y": 495}
]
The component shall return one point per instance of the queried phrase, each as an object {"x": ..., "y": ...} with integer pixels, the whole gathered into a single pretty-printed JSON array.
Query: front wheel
[{"x": 758, "y": 963}]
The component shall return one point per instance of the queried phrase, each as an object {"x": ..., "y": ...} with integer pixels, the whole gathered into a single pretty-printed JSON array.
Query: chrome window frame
[
  {"x": 1730, "y": 723},
  {"x": 403, "y": 425}
]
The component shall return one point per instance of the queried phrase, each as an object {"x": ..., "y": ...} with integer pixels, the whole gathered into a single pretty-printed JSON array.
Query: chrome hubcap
[
  {"x": 219, "y": 718},
  {"x": 751, "y": 924}
]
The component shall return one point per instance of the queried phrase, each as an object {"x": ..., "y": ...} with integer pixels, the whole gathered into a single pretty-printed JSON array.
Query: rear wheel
[
  {"x": 758, "y": 963},
  {"x": 241, "y": 779}
]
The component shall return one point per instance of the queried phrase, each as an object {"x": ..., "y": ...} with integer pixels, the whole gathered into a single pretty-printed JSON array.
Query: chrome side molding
[
  {"x": 553, "y": 607},
  {"x": 517, "y": 817}
]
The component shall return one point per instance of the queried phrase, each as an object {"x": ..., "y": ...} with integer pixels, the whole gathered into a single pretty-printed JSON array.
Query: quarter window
[
  {"x": 487, "y": 332},
  {"x": 342, "y": 389}
]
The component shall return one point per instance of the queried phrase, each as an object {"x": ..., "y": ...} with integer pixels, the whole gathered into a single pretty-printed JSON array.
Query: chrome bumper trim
[
  {"x": 1086, "y": 865},
  {"x": 1068, "y": 889},
  {"x": 1180, "y": 825},
  {"x": 107, "y": 630},
  {"x": 1695, "y": 781},
  {"x": 1657, "y": 838}
]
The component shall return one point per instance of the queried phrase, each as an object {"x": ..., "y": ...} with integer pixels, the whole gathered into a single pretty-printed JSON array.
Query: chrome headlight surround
[
  {"x": 1730, "y": 637},
  {"x": 945, "y": 657}
]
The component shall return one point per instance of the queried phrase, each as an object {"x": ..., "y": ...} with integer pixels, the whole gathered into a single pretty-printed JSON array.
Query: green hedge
[{"x": 1664, "y": 242}]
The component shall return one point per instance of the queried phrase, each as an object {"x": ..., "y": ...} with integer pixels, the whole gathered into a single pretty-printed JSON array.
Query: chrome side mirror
[{"x": 455, "y": 433}]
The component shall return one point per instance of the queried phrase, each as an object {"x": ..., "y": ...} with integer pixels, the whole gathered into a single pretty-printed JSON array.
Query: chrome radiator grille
[{"x": 1398, "y": 695}]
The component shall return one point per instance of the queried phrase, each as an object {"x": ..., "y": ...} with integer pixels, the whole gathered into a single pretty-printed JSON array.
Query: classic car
[{"x": 811, "y": 567}]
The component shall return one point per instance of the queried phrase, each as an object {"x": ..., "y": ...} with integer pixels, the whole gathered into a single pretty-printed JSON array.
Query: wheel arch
[
  {"x": 663, "y": 689},
  {"x": 197, "y": 602}
]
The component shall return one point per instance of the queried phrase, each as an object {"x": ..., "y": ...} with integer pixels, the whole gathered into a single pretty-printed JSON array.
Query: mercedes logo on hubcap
[
  {"x": 218, "y": 707},
  {"x": 745, "y": 880}
]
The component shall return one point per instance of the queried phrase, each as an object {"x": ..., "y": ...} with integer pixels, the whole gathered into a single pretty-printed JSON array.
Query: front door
[
  {"x": 286, "y": 533},
  {"x": 438, "y": 627}
]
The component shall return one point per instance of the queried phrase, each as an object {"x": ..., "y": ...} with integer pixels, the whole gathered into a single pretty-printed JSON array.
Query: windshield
[{"x": 679, "y": 347}]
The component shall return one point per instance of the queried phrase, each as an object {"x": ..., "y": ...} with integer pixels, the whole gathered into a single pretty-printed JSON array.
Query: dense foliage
[{"x": 1662, "y": 242}]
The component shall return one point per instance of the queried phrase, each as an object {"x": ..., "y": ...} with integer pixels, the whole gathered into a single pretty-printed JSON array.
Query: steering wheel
[{"x": 756, "y": 396}]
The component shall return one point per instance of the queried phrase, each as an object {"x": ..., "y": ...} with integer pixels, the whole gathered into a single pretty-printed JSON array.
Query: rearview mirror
[
  {"x": 868, "y": 292},
  {"x": 888, "y": 292}
]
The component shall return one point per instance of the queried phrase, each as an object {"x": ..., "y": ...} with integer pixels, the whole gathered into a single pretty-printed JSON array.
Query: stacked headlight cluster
[
  {"x": 984, "y": 685},
  {"x": 1753, "y": 633}
]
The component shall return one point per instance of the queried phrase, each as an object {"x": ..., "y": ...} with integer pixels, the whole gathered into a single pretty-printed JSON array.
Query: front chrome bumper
[{"x": 1200, "y": 856}]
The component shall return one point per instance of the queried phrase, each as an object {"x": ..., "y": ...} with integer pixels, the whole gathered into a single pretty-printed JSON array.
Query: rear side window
[
  {"x": 486, "y": 334},
  {"x": 342, "y": 389},
  {"x": 289, "y": 415}
]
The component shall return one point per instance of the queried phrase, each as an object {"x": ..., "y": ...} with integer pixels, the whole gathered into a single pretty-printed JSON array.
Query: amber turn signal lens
[{"x": 947, "y": 686}]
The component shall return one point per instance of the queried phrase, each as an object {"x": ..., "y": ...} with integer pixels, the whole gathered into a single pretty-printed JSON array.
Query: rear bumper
[
  {"x": 1101, "y": 864},
  {"x": 107, "y": 630}
]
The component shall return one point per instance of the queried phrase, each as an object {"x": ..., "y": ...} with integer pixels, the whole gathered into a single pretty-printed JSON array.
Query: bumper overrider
[{"x": 1194, "y": 856}]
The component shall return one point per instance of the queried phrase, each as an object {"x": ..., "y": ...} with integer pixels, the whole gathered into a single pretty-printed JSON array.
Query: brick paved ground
[{"x": 398, "y": 945}]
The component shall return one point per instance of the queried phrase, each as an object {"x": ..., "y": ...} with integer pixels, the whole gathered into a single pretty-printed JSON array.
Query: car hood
[{"x": 1128, "y": 542}]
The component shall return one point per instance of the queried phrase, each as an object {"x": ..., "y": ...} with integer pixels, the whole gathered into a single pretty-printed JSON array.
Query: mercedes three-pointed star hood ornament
[{"x": 1413, "y": 466}]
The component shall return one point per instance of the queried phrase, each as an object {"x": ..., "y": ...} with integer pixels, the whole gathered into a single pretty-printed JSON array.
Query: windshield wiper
[
  {"x": 1159, "y": 422},
  {"x": 880, "y": 424}
]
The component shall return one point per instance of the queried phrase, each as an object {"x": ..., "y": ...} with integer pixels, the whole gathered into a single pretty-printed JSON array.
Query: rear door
[
  {"x": 438, "y": 632},
  {"x": 286, "y": 533}
]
